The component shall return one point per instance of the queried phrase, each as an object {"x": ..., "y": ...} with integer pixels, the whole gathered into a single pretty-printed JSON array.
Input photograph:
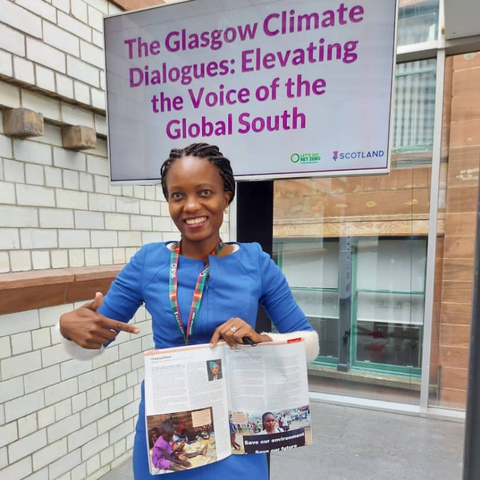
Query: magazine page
[
  {"x": 268, "y": 397},
  {"x": 186, "y": 408}
]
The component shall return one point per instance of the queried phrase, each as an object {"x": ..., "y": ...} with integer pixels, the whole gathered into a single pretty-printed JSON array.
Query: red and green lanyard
[{"x": 197, "y": 294}]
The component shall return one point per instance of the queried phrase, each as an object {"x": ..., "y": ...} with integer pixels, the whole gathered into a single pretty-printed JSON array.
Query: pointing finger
[{"x": 121, "y": 326}]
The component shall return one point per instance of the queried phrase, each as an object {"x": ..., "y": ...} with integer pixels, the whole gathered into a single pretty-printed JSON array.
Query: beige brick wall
[
  {"x": 56, "y": 46},
  {"x": 59, "y": 417},
  {"x": 55, "y": 200}
]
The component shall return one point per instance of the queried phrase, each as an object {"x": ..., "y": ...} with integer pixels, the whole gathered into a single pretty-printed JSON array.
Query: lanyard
[{"x": 197, "y": 294}]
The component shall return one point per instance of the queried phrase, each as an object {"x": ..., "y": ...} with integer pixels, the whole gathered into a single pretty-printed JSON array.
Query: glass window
[
  {"x": 417, "y": 21},
  {"x": 387, "y": 294},
  {"x": 311, "y": 268},
  {"x": 414, "y": 107},
  {"x": 389, "y": 301}
]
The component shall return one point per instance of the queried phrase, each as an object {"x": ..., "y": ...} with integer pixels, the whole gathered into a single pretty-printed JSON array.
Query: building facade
[{"x": 408, "y": 320}]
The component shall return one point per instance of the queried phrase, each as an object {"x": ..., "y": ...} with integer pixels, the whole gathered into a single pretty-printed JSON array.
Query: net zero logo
[{"x": 305, "y": 157}]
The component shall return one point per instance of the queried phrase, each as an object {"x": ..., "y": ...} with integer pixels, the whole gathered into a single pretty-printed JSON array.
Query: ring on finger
[{"x": 233, "y": 329}]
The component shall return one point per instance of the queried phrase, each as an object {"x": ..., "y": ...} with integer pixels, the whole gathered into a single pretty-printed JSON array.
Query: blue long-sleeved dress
[{"x": 236, "y": 285}]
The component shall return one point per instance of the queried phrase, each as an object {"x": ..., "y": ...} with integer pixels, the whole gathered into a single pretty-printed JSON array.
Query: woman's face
[
  {"x": 196, "y": 198},
  {"x": 215, "y": 370},
  {"x": 269, "y": 423}
]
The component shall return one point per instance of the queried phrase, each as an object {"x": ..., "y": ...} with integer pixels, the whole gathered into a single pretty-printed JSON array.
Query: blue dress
[{"x": 237, "y": 284}]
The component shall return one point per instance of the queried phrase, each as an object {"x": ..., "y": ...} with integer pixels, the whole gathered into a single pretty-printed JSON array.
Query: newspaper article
[
  {"x": 204, "y": 404},
  {"x": 268, "y": 398}
]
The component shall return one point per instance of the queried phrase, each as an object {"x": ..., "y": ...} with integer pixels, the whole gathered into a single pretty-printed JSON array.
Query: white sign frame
[{"x": 378, "y": 170}]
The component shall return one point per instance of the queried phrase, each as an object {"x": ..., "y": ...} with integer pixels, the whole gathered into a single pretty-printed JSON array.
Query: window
[
  {"x": 387, "y": 296},
  {"x": 414, "y": 107},
  {"x": 417, "y": 21}
]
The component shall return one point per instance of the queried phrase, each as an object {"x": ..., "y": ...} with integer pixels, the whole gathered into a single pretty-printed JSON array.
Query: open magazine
[{"x": 203, "y": 405}]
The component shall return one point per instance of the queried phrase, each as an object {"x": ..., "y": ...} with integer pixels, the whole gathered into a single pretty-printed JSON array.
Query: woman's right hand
[{"x": 90, "y": 329}]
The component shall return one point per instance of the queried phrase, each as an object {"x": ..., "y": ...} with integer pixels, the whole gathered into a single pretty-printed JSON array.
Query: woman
[
  {"x": 269, "y": 424},
  {"x": 215, "y": 373},
  {"x": 198, "y": 184}
]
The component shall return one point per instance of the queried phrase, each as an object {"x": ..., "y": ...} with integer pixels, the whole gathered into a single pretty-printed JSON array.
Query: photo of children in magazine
[
  {"x": 257, "y": 432},
  {"x": 181, "y": 441}
]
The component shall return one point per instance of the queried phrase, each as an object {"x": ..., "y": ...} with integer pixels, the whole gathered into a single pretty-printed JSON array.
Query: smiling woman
[
  {"x": 198, "y": 290},
  {"x": 197, "y": 196}
]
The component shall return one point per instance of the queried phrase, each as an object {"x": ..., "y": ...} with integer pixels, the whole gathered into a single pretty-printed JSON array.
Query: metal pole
[
  {"x": 432, "y": 235},
  {"x": 471, "y": 464},
  {"x": 345, "y": 317}
]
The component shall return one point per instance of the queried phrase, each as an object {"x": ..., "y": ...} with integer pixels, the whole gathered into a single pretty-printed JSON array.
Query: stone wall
[
  {"x": 453, "y": 333},
  {"x": 62, "y": 418}
]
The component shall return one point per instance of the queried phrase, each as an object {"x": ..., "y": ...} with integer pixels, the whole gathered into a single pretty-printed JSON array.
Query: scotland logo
[{"x": 360, "y": 154}]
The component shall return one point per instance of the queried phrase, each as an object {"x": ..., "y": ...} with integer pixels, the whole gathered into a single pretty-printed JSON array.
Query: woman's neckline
[{"x": 236, "y": 247}]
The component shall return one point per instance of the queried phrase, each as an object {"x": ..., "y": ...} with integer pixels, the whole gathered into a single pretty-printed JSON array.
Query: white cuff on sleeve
[
  {"x": 76, "y": 351},
  {"x": 310, "y": 337}
]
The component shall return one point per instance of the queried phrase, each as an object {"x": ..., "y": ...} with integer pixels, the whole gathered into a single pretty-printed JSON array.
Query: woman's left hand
[{"x": 233, "y": 331}]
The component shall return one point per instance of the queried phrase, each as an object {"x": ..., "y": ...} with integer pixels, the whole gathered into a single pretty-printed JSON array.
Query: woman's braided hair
[{"x": 201, "y": 150}]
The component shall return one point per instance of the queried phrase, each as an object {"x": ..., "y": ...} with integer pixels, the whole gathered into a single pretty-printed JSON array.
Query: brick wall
[
  {"x": 58, "y": 209},
  {"x": 56, "y": 45},
  {"x": 61, "y": 418},
  {"x": 391, "y": 205},
  {"x": 453, "y": 335}
]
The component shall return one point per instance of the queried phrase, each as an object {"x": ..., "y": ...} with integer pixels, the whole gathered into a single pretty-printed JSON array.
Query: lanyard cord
[{"x": 197, "y": 294}]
